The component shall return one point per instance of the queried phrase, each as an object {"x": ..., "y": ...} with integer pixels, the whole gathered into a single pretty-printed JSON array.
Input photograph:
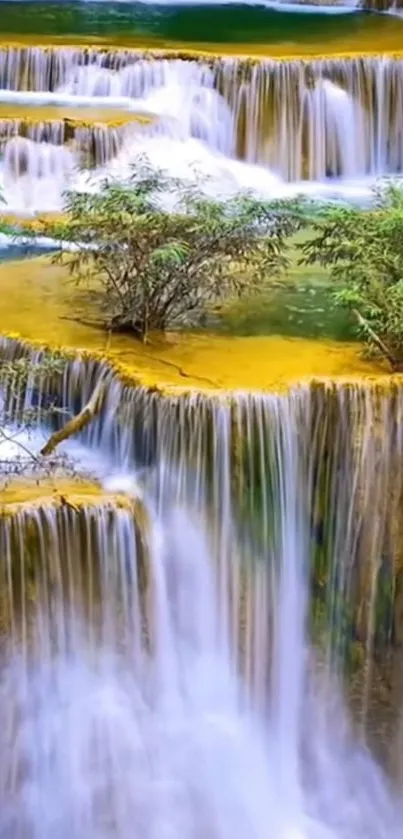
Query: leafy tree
[
  {"x": 158, "y": 270},
  {"x": 363, "y": 250}
]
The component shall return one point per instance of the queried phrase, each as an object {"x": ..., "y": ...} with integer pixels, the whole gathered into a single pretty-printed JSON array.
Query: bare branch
[{"x": 80, "y": 421}]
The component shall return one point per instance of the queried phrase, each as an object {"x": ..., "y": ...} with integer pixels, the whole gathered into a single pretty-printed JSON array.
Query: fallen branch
[{"x": 80, "y": 421}]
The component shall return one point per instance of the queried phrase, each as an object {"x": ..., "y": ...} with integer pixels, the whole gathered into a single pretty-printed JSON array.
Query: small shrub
[
  {"x": 159, "y": 270},
  {"x": 363, "y": 250}
]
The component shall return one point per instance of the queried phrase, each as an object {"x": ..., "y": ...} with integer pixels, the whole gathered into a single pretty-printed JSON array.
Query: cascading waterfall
[
  {"x": 247, "y": 123},
  {"x": 28, "y": 167},
  {"x": 93, "y": 144},
  {"x": 197, "y": 696},
  {"x": 39, "y": 160},
  {"x": 23, "y": 156},
  {"x": 269, "y": 101}
]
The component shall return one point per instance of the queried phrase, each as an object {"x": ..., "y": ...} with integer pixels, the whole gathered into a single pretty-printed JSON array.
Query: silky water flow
[
  {"x": 327, "y": 126},
  {"x": 159, "y": 671}
]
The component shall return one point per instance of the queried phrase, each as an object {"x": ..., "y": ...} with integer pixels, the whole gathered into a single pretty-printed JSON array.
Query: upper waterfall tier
[{"x": 300, "y": 119}]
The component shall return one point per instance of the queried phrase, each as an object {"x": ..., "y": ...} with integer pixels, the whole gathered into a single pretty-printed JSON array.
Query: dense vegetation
[
  {"x": 156, "y": 270},
  {"x": 363, "y": 250}
]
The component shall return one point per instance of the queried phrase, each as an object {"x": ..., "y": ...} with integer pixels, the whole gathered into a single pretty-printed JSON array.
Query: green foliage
[
  {"x": 363, "y": 250},
  {"x": 158, "y": 270}
]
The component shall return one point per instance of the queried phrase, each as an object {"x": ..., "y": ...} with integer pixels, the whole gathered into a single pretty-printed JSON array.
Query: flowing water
[
  {"x": 210, "y": 645},
  {"x": 326, "y": 127},
  {"x": 161, "y": 673}
]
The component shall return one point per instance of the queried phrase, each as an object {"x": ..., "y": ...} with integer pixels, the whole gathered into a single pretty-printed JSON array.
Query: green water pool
[{"x": 230, "y": 24}]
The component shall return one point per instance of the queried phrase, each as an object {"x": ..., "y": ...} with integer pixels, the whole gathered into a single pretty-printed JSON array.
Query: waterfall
[
  {"x": 94, "y": 145},
  {"x": 168, "y": 660},
  {"x": 29, "y": 166},
  {"x": 41, "y": 159},
  {"x": 295, "y": 120}
]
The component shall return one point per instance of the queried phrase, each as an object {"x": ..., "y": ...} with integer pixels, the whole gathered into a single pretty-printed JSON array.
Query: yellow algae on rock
[
  {"x": 81, "y": 117},
  {"x": 375, "y": 35},
  {"x": 39, "y": 303},
  {"x": 22, "y": 489},
  {"x": 22, "y": 493}
]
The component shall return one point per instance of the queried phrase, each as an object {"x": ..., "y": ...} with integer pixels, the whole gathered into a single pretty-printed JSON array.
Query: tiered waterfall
[{"x": 263, "y": 123}]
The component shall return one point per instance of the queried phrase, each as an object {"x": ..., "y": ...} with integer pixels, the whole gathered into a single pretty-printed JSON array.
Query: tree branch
[
  {"x": 375, "y": 338},
  {"x": 80, "y": 421}
]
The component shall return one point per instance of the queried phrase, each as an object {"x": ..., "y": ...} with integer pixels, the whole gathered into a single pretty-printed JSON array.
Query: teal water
[
  {"x": 226, "y": 23},
  {"x": 11, "y": 251}
]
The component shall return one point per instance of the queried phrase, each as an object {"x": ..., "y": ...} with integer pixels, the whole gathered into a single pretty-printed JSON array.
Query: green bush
[
  {"x": 159, "y": 270},
  {"x": 363, "y": 250}
]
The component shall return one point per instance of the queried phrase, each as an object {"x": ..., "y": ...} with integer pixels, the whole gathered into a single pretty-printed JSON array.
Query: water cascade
[
  {"x": 95, "y": 144},
  {"x": 42, "y": 158},
  {"x": 171, "y": 661},
  {"x": 40, "y": 565},
  {"x": 256, "y": 122}
]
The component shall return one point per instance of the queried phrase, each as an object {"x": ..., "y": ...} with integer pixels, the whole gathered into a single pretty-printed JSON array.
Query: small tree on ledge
[
  {"x": 159, "y": 270},
  {"x": 363, "y": 250}
]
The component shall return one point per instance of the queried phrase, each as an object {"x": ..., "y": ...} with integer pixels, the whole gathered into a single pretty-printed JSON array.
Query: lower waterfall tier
[
  {"x": 53, "y": 549},
  {"x": 41, "y": 149},
  {"x": 179, "y": 661},
  {"x": 226, "y": 457}
]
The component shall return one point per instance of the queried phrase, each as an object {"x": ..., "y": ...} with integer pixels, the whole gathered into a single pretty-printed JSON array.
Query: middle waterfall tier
[{"x": 302, "y": 120}]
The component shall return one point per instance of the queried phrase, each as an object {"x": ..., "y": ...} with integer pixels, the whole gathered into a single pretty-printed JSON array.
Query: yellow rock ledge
[
  {"x": 18, "y": 493},
  {"x": 39, "y": 303}
]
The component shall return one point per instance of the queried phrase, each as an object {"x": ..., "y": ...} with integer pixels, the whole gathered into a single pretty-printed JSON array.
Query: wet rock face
[
  {"x": 53, "y": 547},
  {"x": 382, "y": 5}
]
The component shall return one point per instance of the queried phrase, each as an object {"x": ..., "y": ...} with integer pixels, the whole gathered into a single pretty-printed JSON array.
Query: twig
[{"x": 12, "y": 439}]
